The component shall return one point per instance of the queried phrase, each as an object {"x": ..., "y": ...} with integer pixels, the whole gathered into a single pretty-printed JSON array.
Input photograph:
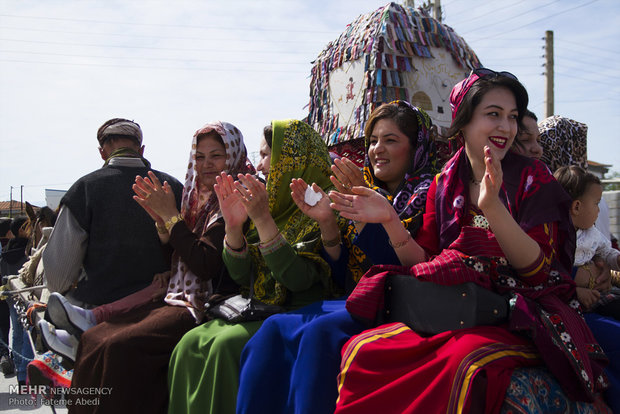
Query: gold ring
[
  {"x": 350, "y": 203},
  {"x": 147, "y": 196}
]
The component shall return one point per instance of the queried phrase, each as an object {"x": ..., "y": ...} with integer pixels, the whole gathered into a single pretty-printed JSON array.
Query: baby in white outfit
[{"x": 586, "y": 191}]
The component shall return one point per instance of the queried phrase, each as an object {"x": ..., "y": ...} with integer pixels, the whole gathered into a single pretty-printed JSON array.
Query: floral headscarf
[
  {"x": 410, "y": 199},
  {"x": 564, "y": 142},
  {"x": 200, "y": 211},
  {"x": 297, "y": 151}
]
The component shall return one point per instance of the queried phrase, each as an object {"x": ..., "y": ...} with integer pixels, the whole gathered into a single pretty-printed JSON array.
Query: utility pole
[
  {"x": 435, "y": 6},
  {"x": 21, "y": 199},
  {"x": 549, "y": 111},
  {"x": 437, "y": 10},
  {"x": 11, "y": 203}
]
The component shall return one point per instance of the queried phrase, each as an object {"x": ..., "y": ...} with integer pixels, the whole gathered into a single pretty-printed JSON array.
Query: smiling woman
[
  {"x": 528, "y": 139},
  {"x": 389, "y": 153},
  {"x": 484, "y": 224},
  {"x": 292, "y": 361},
  {"x": 130, "y": 346},
  {"x": 210, "y": 158}
]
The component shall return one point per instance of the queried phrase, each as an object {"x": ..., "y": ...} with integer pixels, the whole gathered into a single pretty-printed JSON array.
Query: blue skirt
[
  {"x": 606, "y": 330},
  {"x": 291, "y": 364}
]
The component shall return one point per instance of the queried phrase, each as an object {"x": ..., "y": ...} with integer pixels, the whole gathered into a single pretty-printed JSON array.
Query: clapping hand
[
  {"x": 346, "y": 175},
  {"x": 232, "y": 208},
  {"x": 254, "y": 197},
  {"x": 321, "y": 211},
  {"x": 157, "y": 199},
  {"x": 363, "y": 205}
]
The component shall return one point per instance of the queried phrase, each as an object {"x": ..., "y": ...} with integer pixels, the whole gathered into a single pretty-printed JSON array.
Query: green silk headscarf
[{"x": 297, "y": 151}]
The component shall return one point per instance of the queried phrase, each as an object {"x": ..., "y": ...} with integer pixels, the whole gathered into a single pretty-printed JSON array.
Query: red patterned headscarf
[{"x": 529, "y": 192}]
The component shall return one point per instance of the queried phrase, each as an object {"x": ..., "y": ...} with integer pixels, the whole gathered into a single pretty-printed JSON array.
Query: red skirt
[{"x": 391, "y": 369}]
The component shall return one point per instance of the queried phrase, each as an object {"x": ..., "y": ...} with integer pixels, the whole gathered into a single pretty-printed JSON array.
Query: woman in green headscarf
[{"x": 281, "y": 250}]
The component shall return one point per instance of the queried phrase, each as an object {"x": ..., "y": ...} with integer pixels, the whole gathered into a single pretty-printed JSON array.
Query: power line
[
  {"x": 219, "y": 61},
  {"x": 542, "y": 19},
  {"x": 497, "y": 11},
  {"x": 595, "y": 57},
  {"x": 589, "y": 47},
  {"x": 503, "y": 47},
  {"x": 519, "y": 59},
  {"x": 134, "y": 23},
  {"x": 457, "y": 23},
  {"x": 155, "y": 67},
  {"x": 495, "y": 63},
  {"x": 614, "y": 85},
  {"x": 159, "y": 37},
  {"x": 151, "y": 47},
  {"x": 511, "y": 18},
  {"x": 581, "y": 70},
  {"x": 588, "y": 100}
]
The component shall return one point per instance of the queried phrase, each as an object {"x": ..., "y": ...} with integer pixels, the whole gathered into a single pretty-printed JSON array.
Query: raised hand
[
  {"x": 232, "y": 208},
  {"x": 254, "y": 197},
  {"x": 156, "y": 199},
  {"x": 321, "y": 211},
  {"x": 346, "y": 175},
  {"x": 491, "y": 182},
  {"x": 363, "y": 205}
]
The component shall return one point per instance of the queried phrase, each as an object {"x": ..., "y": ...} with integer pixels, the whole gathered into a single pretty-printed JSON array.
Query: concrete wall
[{"x": 613, "y": 202}]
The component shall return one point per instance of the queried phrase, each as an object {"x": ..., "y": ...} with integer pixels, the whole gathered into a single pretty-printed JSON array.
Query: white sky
[{"x": 67, "y": 66}]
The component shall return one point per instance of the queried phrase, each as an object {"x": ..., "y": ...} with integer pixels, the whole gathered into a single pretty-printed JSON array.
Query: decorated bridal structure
[{"x": 395, "y": 52}]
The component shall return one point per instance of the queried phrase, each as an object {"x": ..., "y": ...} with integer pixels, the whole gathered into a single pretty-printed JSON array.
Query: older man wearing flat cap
[{"x": 104, "y": 246}]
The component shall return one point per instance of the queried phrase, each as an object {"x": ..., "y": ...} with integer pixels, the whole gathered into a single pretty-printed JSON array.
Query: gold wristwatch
[{"x": 172, "y": 221}]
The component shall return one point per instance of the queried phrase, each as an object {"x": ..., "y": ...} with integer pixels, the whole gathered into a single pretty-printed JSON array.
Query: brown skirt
[{"x": 122, "y": 364}]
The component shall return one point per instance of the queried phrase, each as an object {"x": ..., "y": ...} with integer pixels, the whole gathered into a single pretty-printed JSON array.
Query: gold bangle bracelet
[
  {"x": 615, "y": 278},
  {"x": 331, "y": 243},
  {"x": 161, "y": 228},
  {"x": 270, "y": 240},
  {"x": 240, "y": 249},
  {"x": 591, "y": 279},
  {"x": 400, "y": 244}
]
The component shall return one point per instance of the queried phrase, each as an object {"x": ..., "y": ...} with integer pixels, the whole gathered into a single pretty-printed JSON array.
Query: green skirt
[{"x": 203, "y": 375}]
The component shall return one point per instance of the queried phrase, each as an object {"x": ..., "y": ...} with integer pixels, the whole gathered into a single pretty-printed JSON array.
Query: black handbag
[
  {"x": 241, "y": 309},
  {"x": 237, "y": 308},
  {"x": 429, "y": 308}
]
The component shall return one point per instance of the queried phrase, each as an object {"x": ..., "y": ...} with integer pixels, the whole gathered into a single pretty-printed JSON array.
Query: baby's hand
[
  {"x": 583, "y": 275},
  {"x": 587, "y": 297}
]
